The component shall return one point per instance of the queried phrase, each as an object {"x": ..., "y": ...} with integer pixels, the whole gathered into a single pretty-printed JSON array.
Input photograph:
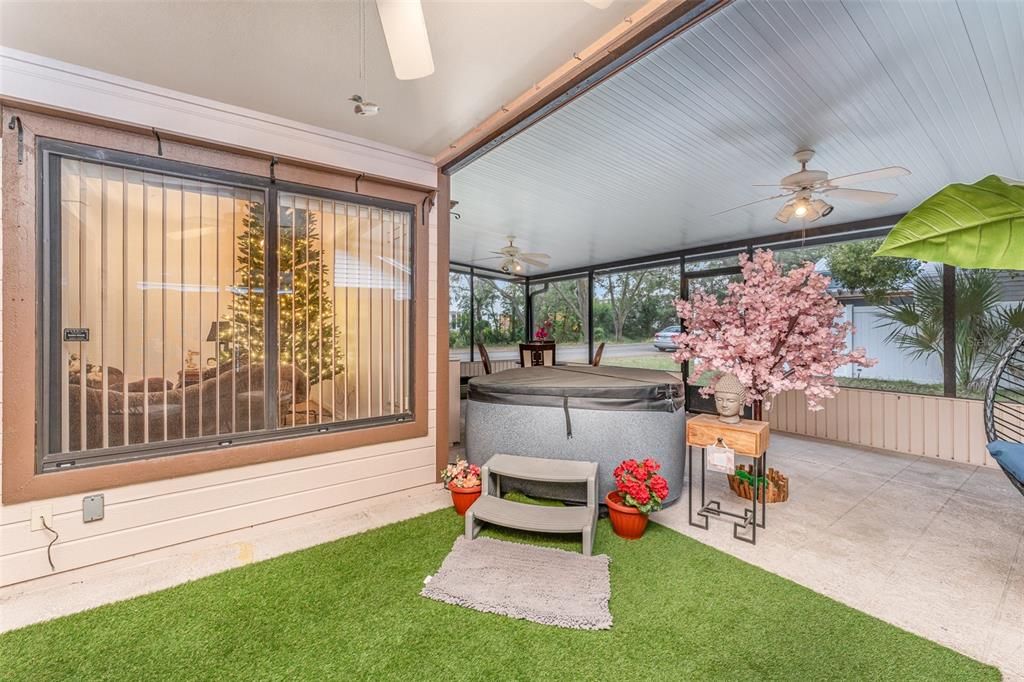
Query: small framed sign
[
  {"x": 75, "y": 334},
  {"x": 721, "y": 458}
]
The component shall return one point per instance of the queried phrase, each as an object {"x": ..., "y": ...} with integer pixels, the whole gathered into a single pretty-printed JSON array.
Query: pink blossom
[{"x": 776, "y": 332}]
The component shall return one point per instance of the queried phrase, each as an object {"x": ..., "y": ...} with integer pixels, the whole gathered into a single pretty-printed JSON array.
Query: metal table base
[{"x": 708, "y": 508}]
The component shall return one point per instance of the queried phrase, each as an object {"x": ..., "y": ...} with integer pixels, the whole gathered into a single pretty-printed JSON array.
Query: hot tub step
[
  {"x": 492, "y": 508},
  {"x": 542, "y": 469},
  {"x": 532, "y": 517}
]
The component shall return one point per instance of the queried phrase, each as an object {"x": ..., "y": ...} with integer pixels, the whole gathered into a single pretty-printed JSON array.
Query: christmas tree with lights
[{"x": 307, "y": 335}]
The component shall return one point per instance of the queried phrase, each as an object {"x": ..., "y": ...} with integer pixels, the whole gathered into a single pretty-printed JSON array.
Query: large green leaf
[{"x": 970, "y": 226}]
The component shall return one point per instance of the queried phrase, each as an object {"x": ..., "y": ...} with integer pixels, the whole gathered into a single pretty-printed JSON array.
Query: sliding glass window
[
  {"x": 562, "y": 309},
  {"x": 460, "y": 312},
  {"x": 635, "y": 316},
  {"x": 499, "y": 316},
  {"x": 159, "y": 325}
]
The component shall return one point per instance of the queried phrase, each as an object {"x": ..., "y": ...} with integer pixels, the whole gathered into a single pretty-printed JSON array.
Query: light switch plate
[{"x": 92, "y": 508}]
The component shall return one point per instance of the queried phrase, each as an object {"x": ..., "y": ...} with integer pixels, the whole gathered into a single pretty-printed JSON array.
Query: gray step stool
[{"x": 490, "y": 506}]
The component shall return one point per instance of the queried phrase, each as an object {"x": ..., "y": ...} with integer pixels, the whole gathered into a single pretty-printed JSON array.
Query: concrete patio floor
[{"x": 934, "y": 547}]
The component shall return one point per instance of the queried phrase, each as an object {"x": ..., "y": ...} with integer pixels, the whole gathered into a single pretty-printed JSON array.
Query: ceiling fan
[
  {"x": 512, "y": 258},
  {"x": 805, "y": 188},
  {"x": 405, "y": 32}
]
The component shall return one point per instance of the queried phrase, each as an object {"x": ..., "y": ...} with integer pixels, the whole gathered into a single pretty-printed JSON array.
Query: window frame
[
  {"x": 22, "y": 205},
  {"x": 52, "y": 152}
]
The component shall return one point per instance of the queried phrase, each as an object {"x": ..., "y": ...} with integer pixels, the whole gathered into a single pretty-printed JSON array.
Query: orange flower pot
[
  {"x": 627, "y": 522},
  {"x": 463, "y": 498}
]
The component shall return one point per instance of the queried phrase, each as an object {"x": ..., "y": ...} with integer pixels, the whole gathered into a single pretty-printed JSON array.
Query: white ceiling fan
[
  {"x": 513, "y": 258},
  {"x": 405, "y": 31},
  {"x": 805, "y": 188}
]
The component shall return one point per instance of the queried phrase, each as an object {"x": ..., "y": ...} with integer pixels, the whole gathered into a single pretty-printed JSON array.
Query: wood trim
[
  {"x": 20, "y": 298},
  {"x": 443, "y": 252},
  {"x": 610, "y": 53}
]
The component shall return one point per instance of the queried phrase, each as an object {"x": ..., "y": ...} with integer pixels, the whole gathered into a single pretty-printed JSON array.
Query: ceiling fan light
[
  {"x": 599, "y": 4},
  {"x": 820, "y": 208},
  {"x": 405, "y": 31},
  {"x": 785, "y": 213}
]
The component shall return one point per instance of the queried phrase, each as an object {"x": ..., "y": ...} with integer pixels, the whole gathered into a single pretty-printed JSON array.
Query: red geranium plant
[{"x": 640, "y": 485}]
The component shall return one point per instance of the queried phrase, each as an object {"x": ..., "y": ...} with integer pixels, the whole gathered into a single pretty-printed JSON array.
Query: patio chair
[
  {"x": 484, "y": 358},
  {"x": 1004, "y": 414}
]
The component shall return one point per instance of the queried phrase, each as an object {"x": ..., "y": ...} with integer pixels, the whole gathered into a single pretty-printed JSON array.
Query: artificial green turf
[{"x": 351, "y": 609}]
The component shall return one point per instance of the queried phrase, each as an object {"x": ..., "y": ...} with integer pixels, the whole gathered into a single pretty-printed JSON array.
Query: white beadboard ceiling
[{"x": 637, "y": 165}]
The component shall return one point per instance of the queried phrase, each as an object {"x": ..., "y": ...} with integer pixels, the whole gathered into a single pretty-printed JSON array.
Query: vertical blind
[
  {"x": 344, "y": 295},
  {"x": 158, "y": 311}
]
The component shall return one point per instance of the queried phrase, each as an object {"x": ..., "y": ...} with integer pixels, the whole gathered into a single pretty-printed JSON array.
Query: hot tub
[{"x": 597, "y": 414}]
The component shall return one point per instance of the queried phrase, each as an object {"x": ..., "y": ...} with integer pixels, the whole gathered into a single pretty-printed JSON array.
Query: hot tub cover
[{"x": 582, "y": 388}]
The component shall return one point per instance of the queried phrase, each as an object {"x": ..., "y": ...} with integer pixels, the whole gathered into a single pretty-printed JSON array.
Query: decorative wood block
[
  {"x": 778, "y": 485},
  {"x": 748, "y": 437}
]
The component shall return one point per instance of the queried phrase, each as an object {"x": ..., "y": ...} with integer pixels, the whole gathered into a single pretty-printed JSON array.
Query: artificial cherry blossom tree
[{"x": 775, "y": 331}]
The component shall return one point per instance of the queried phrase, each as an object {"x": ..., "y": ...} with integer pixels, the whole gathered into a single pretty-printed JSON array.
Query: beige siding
[{"x": 930, "y": 426}]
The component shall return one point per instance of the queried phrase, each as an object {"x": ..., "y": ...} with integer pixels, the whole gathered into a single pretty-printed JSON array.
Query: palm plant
[{"x": 982, "y": 328}]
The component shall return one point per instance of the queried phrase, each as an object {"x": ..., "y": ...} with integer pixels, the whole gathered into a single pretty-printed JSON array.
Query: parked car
[{"x": 663, "y": 339}]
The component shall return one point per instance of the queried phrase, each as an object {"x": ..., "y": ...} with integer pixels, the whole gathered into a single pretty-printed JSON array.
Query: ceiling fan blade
[
  {"x": 533, "y": 261},
  {"x": 864, "y": 195},
  {"x": 868, "y": 176},
  {"x": 757, "y": 201},
  {"x": 479, "y": 260},
  {"x": 536, "y": 256},
  {"x": 405, "y": 31}
]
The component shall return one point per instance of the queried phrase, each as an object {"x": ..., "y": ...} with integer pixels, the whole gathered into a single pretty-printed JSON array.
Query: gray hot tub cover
[{"x": 582, "y": 388}]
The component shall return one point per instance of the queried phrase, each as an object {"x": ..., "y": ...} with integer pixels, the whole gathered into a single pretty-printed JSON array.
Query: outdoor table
[{"x": 748, "y": 438}]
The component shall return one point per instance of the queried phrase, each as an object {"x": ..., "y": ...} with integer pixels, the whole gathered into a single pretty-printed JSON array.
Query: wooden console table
[{"x": 749, "y": 439}]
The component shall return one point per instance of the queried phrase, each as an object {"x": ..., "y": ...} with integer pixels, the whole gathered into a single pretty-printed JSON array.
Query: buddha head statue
[{"x": 730, "y": 395}]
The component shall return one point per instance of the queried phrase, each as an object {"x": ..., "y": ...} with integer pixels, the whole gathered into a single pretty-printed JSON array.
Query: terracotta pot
[
  {"x": 627, "y": 522},
  {"x": 463, "y": 498}
]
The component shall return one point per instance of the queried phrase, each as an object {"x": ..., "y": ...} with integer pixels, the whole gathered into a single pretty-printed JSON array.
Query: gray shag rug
[{"x": 545, "y": 585}]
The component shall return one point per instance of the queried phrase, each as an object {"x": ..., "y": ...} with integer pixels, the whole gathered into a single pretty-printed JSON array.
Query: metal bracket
[
  {"x": 159, "y": 143},
  {"x": 427, "y": 204},
  {"x": 358, "y": 178},
  {"x": 16, "y": 122},
  {"x": 273, "y": 162}
]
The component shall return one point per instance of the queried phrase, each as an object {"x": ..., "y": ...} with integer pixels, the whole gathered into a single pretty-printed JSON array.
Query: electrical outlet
[{"x": 43, "y": 511}]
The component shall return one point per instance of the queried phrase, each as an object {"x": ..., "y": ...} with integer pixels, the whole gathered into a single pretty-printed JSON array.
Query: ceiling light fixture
[
  {"x": 802, "y": 207},
  {"x": 785, "y": 213},
  {"x": 405, "y": 31},
  {"x": 821, "y": 208}
]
